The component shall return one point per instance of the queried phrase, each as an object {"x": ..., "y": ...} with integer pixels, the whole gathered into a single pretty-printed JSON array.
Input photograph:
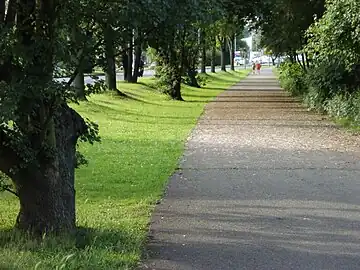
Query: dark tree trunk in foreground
[
  {"x": 42, "y": 169},
  {"x": 47, "y": 193}
]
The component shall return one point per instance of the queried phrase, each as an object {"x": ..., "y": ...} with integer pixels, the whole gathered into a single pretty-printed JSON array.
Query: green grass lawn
[{"x": 142, "y": 140}]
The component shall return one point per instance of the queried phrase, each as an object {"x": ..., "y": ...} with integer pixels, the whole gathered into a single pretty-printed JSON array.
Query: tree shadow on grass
[
  {"x": 149, "y": 85},
  {"x": 215, "y": 88},
  {"x": 118, "y": 113}
]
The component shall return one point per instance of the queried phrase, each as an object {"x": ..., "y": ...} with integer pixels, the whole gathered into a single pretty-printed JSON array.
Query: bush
[
  {"x": 292, "y": 78},
  {"x": 314, "y": 99},
  {"x": 344, "y": 106},
  {"x": 324, "y": 87},
  {"x": 327, "y": 76}
]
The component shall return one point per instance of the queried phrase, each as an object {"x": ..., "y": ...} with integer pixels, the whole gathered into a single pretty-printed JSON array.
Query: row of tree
[
  {"x": 39, "y": 132},
  {"x": 180, "y": 33},
  {"x": 283, "y": 25}
]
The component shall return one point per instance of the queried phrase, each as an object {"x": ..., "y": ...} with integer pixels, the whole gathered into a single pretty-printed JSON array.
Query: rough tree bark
[
  {"x": 175, "y": 72},
  {"x": 46, "y": 190},
  {"x": 45, "y": 186},
  {"x": 175, "y": 91}
]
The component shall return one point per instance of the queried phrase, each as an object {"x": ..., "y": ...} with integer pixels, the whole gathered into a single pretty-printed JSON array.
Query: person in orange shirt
[{"x": 258, "y": 67}]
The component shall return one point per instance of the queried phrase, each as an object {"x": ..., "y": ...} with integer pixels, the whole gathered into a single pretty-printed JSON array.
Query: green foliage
[
  {"x": 283, "y": 24},
  {"x": 337, "y": 33},
  {"x": 314, "y": 98},
  {"x": 344, "y": 106},
  {"x": 292, "y": 78},
  {"x": 331, "y": 82},
  {"x": 166, "y": 76}
]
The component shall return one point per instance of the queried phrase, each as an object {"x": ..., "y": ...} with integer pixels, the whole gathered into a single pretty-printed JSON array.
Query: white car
[{"x": 239, "y": 61}]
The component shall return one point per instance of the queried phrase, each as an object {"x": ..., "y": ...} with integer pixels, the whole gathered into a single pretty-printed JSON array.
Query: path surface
[{"x": 264, "y": 184}]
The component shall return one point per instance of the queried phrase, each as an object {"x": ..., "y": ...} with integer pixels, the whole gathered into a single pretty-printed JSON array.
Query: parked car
[{"x": 239, "y": 61}]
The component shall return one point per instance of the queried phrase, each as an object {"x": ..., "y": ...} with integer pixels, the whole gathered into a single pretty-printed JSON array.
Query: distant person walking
[
  {"x": 258, "y": 67},
  {"x": 253, "y": 67}
]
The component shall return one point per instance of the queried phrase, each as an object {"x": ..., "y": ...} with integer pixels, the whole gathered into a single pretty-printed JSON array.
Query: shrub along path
[{"x": 263, "y": 184}]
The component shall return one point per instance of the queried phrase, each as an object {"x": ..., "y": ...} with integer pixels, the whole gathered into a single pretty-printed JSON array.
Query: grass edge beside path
[{"x": 143, "y": 138}]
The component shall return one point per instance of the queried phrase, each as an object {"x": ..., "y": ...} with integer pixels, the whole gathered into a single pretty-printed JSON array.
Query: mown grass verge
[{"x": 142, "y": 139}]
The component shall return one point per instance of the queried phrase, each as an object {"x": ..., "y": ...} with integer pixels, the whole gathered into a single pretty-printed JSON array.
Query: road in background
[{"x": 147, "y": 73}]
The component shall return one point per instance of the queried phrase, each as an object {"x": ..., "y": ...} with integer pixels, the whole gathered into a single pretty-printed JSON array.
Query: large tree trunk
[
  {"x": 175, "y": 91},
  {"x": 42, "y": 169},
  {"x": 46, "y": 191},
  {"x": 110, "y": 74},
  {"x": 223, "y": 54},
  {"x": 175, "y": 71}
]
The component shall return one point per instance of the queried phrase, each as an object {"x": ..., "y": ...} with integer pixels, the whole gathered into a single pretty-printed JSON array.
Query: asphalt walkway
[{"x": 263, "y": 184}]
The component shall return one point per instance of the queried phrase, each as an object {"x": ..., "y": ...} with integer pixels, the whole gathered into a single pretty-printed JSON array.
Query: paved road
[{"x": 264, "y": 184}]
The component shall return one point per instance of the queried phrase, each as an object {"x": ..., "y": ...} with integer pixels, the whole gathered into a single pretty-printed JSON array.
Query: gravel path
[{"x": 263, "y": 184}]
